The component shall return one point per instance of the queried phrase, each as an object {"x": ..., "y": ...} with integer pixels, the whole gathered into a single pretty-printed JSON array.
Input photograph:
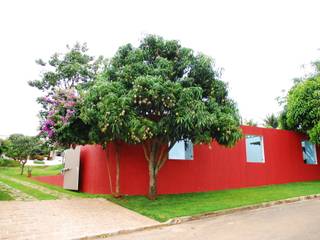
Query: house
[{"x": 263, "y": 156}]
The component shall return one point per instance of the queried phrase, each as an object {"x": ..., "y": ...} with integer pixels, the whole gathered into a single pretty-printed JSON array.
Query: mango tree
[
  {"x": 157, "y": 94},
  {"x": 301, "y": 110}
]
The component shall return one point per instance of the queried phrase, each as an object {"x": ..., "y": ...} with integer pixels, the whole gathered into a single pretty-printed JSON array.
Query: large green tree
[
  {"x": 157, "y": 94},
  {"x": 302, "y": 109}
]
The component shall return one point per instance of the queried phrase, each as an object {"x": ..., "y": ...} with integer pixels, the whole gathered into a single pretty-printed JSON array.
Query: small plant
[{"x": 29, "y": 171}]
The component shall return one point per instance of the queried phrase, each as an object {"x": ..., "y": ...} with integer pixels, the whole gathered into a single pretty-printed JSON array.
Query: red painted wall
[
  {"x": 53, "y": 180},
  {"x": 212, "y": 169}
]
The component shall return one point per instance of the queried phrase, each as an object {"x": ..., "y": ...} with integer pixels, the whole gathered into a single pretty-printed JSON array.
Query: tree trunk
[
  {"x": 108, "y": 169},
  {"x": 155, "y": 151},
  {"x": 22, "y": 162},
  {"x": 117, "y": 151},
  {"x": 152, "y": 181}
]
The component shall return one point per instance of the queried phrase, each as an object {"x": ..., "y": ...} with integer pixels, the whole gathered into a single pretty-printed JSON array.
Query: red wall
[
  {"x": 212, "y": 169},
  {"x": 53, "y": 180}
]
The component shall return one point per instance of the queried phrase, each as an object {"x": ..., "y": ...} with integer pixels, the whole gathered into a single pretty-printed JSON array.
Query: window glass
[
  {"x": 309, "y": 152},
  {"x": 182, "y": 150},
  {"x": 254, "y": 149}
]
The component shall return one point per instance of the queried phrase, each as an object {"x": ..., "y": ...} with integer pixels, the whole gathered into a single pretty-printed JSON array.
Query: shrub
[
  {"x": 8, "y": 163},
  {"x": 38, "y": 162}
]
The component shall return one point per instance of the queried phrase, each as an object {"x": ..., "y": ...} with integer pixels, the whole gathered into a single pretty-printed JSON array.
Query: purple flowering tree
[{"x": 63, "y": 76}]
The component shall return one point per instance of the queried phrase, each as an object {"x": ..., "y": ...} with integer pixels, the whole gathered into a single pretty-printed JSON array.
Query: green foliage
[
  {"x": 302, "y": 111},
  {"x": 160, "y": 90},
  {"x": 8, "y": 163},
  {"x": 38, "y": 162},
  {"x": 271, "y": 121},
  {"x": 66, "y": 71},
  {"x": 157, "y": 94},
  {"x": 19, "y": 147},
  {"x": 250, "y": 122}
]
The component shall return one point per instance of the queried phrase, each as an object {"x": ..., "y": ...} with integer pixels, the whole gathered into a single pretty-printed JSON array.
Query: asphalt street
[{"x": 294, "y": 221}]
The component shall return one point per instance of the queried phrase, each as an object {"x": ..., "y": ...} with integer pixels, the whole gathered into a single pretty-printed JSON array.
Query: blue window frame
[
  {"x": 254, "y": 149},
  {"x": 182, "y": 150},
  {"x": 309, "y": 152}
]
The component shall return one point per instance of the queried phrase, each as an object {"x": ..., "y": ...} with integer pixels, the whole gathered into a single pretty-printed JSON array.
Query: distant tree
[
  {"x": 1, "y": 146},
  {"x": 301, "y": 110},
  {"x": 250, "y": 122},
  {"x": 271, "y": 121},
  {"x": 19, "y": 148},
  {"x": 158, "y": 94},
  {"x": 41, "y": 148}
]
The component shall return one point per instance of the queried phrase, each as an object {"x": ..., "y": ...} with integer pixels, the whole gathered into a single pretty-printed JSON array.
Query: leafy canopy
[
  {"x": 302, "y": 110},
  {"x": 19, "y": 147},
  {"x": 66, "y": 71},
  {"x": 160, "y": 90},
  {"x": 271, "y": 121}
]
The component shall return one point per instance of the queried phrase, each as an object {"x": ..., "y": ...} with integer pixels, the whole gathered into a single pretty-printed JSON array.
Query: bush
[
  {"x": 8, "y": 163},
  {"x": 38, "y": 162}
]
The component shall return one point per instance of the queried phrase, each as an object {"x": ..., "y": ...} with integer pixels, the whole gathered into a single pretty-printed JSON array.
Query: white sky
[{"x": 260, "y": 44}]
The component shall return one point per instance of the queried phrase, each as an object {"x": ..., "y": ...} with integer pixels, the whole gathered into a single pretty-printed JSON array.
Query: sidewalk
[{"x": 65, "y": 219}]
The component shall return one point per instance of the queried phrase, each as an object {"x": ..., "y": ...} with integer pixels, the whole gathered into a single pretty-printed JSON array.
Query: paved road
[
  {"x": 65, "y": 219},
  {"x": 295, "y": 221}
]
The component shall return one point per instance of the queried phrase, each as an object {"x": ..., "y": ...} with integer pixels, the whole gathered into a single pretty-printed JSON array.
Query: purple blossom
[
  {"x": 60, "y": 108},
  {"x": 48, "y": 100}
]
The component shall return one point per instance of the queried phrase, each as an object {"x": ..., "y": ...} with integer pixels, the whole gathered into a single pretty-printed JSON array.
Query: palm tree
[
  {"x": 250, "y": 122},
  {"x": 271, "y": 121}
]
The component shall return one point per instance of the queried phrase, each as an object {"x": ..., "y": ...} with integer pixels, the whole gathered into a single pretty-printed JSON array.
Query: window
[
  {"x": 182, "y": 150},
  {"x": 309, "y": 152},
  {"x": 254, "y": 149}
]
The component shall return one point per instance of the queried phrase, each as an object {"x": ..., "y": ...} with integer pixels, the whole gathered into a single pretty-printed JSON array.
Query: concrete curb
[{"x": 180, "y": 220}]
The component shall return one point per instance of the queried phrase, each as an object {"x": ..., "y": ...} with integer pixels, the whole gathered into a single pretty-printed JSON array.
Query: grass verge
[
  {"x": 5, "y": 196},
  {"x": 28, "y": 190},
  {"x": 47, "y": 171},
  {"x": 177, "y": 205}
]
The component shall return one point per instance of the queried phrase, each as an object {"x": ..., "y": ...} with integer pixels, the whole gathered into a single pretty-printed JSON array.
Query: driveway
[
  {"x": 65, "y": 219},
  {"x": 294, "y": 221}
]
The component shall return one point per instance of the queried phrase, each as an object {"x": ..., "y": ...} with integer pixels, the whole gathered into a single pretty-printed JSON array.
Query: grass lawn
[
  {"x": 5, "y": 196},
  {"x": 46, "y": 171},
  {"x": 28, "y": 190},
  {"x": 170, "y": 206},
  {"x": 36, "y": 171}
]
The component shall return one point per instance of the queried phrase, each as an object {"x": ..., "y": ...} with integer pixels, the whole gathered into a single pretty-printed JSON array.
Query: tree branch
[{"x": 145, "y": 151}]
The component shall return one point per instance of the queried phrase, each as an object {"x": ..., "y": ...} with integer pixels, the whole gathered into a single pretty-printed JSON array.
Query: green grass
[
  {"x": 36, "y": 171},
  {"x": 28, "y": 190},
  {"x": 5, "y": 196},
  {"x": 170, "y": 206},
  {"x": 46, "y": 171}
]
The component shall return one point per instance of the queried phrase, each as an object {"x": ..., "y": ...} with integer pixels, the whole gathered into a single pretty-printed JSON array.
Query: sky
[{"x": 261, "y": 45}]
